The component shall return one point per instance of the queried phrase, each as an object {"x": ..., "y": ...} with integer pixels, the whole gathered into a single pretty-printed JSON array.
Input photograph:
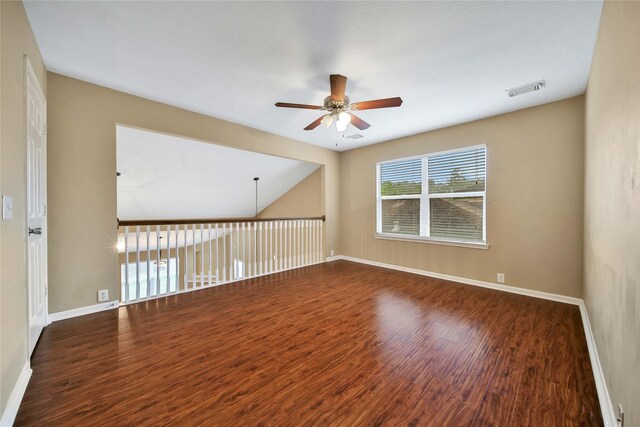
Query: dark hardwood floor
[{"x": 337, "y": 343}]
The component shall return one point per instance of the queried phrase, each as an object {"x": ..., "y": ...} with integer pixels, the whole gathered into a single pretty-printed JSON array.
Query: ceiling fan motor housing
[{"x": 336, "y": 106}]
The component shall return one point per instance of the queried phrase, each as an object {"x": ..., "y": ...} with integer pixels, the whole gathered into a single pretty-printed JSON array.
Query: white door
[{"x": 36, "y": 208}]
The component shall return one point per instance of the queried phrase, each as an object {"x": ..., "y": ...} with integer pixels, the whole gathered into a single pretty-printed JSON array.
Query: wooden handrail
[{"x": 129, "y": 222}]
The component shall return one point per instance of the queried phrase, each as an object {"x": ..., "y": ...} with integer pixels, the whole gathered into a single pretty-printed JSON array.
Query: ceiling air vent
[
  {"x": 531, "y": 87},
  {"x": 354, "y": 136}
]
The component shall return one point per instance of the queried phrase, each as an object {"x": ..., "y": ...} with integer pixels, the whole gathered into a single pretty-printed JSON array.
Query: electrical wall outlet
[
  {"x": 500, "y": 278},
  {"x": 332, "y": 252},
  {"x": 620, "y": 416},
  {"x": 103, "y": 295}
]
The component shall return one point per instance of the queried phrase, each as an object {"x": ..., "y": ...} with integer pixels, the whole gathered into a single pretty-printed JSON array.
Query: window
[
  {"x": 170, "y": 264},
  {"x": 238, "y": 269},
  {"x": 439, "y": 196}
]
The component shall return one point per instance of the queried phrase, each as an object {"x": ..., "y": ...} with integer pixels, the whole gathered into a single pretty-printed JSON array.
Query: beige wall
[
  {"x": 612, "y": 202},
  {"x": 303, "y": 200},
  {"x": 82, "y": 181},
  {"x": 534, "y": 200},
  {"x": 17, "y": 40}
]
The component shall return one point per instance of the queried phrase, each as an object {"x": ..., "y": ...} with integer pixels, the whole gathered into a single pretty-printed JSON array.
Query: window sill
[{"x": 417, "y": 239}]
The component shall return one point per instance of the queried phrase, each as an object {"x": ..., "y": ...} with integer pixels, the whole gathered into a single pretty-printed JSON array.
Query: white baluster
[
  {"x": 317, "y": 240},
  {"x": 260, "y": 262},
  {"x": 201, "y": 255},
  {"x": 217, "y": 270},
  {"x": 210, "y": 254},
  {"x": 321, "y": 240},
  {"x": 277, "y": 253},
  {"x": 158, "y": 260},
  {"x": 168, "y": 265},
  {"x": 303, "y": 230},
  {"x": 224, "y": 252},
  {"x": 237, "y": 248},
  {"x": 148, "y": 232},
  {"x": 126, "y": 265},
  {"x": 248, "y": 263},
  {"x": 313, "y": 242},
  {"x": 138, "y": 284},
  {"x": 281, "y": 253},
  {"x": 186, "y": 257},
  {"x": 296, "y": 236},
  {"x": 244, "y": 259},
  {"x": 299, "y": 237},
  {"x": 267, "y": 269},
  {"x": 310, "y": 242},
  {"x": 177, "y": 258},
  {"x": 305, "y": 261},
  {"x": 270, "y": 247},
  {"x": 194, "y": 264},
  {"x": 306, "y": 242},
  {"x": 289, "y": 244},
  {"x": 292, "y": 241},
  {"x": 255, "y": 249}
]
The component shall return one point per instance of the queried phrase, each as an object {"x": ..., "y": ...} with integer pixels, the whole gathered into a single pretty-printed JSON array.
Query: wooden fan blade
[
  {"x": 314, "y": 124},
  {"x": 305, "y": 106},
  {"x": 338, "y": 86},
  {"x": 359, "y": 123},
  {"x": 377, "y": 103}
]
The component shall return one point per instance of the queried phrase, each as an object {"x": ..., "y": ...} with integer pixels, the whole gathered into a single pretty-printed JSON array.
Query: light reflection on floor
[{"x": 407, "y": 330}]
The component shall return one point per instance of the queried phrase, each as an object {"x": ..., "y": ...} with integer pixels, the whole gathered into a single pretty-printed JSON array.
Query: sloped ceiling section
[
  {"x": 169, "y": 177},
  {"x": 450, "y": 61}
]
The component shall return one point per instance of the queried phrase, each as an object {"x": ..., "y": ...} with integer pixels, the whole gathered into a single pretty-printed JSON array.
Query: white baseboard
[
  {"x": 81, "y": 311},
  {"x": 474, "y": 282},
  {"x": 608, "y": 411},
  {"x": 13, "y": 404}
]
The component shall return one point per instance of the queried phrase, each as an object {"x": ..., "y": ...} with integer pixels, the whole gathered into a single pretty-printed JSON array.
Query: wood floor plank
[{"x": 332, "y": 344}]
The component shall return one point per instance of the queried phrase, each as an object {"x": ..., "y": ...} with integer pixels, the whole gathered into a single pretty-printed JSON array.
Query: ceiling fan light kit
[
  {"x": 327, "y": 119},
  {"x": 339, "y": 107}
]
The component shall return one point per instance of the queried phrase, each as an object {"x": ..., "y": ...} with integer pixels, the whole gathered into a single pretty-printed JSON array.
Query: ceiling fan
[{"x": 339, "y": 107}]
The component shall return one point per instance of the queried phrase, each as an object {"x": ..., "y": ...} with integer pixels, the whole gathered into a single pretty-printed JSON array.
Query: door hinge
[
  {"x": 44, "y": 129},
  {"x": 46, "y": 291}
]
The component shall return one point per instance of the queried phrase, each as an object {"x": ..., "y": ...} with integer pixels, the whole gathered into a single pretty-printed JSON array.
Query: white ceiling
[
  {"x": 168, "y": 177},
  {"x": 451, "y": 62}
]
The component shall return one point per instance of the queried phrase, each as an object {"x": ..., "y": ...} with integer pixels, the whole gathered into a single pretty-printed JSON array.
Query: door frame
[{"x": 30, "y": 74}]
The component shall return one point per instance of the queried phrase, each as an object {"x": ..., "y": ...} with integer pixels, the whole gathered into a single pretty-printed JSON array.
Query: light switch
[{"x": 7, "y": 207}]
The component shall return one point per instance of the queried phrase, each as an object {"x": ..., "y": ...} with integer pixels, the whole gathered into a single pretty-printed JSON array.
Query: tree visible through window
[{"x": 440, "y": 196}]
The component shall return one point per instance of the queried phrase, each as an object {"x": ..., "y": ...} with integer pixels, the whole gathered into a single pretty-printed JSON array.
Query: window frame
[{"x": 425, "y": 198}]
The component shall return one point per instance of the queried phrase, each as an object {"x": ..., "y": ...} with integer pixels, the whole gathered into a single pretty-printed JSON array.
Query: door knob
[{"x": 37, "y": 230}]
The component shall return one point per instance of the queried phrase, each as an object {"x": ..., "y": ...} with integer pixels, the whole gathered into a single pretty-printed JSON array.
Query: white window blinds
[
  {"x": 401, "y": 186},
  {"x": 437, "y": 196}
]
